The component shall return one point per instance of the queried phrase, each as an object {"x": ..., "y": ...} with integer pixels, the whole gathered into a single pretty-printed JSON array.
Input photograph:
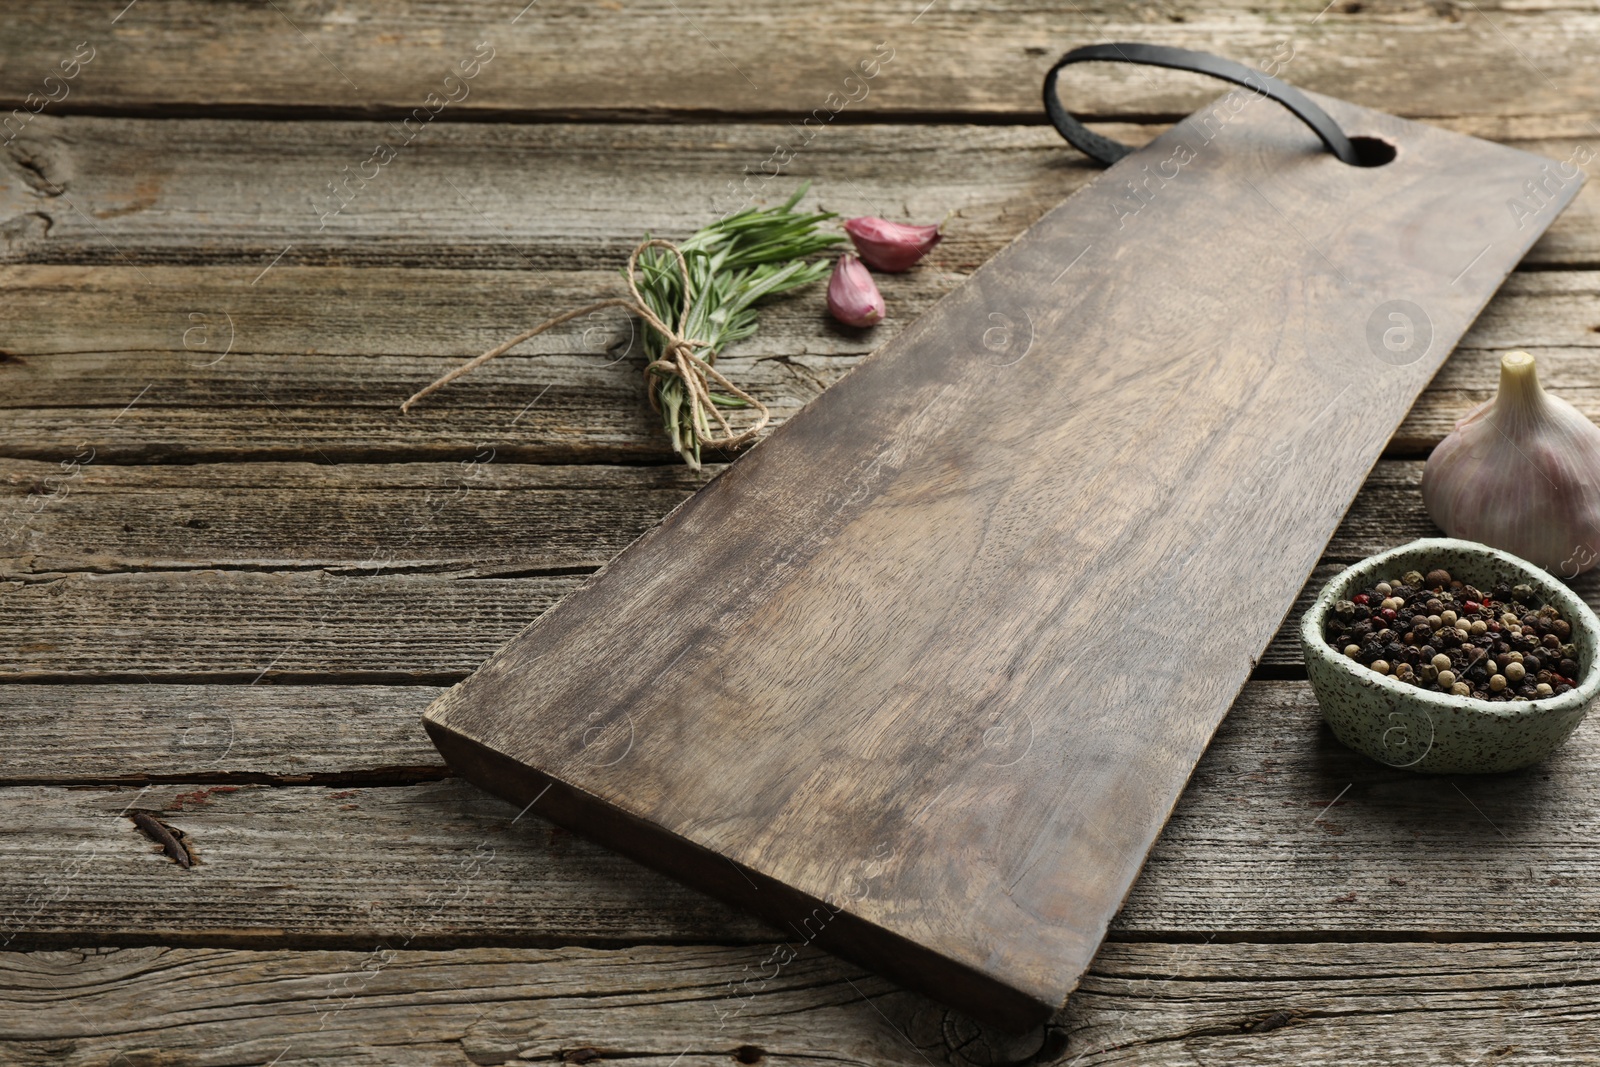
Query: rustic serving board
[{"x": 920, "y": 678}]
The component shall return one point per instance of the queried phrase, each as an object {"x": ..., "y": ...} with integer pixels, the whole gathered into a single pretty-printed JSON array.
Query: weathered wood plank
[
  {"x": 413, "y": 1008},
  {"x": 1282, "y": 831},
  {"x": 233, "y": 626},
  {"x": 562, "y": 57},
  {"x": 1341, "y": 1005},
  {"x": 285, "y": 378},
  {"x": 389, "y": 628},
  {"x": 1283, "y": 828},
  {"x": 563, "y": 197},
  {"x": 1359, "y": 1005},
  {"x": 425, "y": 536},
  {"x": 96, "y": 365},
  {"x": 480, "y": 518},
  {"x": 204, "y": 733},
  {"x": 1442, "y": 1028},
  {"x": 412, "y": 866},
  {"x": 1387, "y": 513}
]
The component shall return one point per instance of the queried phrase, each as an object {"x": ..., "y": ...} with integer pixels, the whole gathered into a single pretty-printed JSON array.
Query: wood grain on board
[{"x": 912, "y": 676}]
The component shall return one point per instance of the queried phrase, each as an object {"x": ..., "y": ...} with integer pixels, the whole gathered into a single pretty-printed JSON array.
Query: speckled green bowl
[{"x": 1404, "y": 726}]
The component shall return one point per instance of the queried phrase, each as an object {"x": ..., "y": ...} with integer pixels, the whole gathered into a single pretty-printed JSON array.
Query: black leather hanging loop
[{"x": 1106, "y": 151}]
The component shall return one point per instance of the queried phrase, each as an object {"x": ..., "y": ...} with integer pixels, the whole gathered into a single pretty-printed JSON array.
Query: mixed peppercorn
[{"x": 1450, "y": 637}]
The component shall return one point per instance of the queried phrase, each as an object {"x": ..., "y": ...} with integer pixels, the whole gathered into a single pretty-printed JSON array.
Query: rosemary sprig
[{"x": 733, "y": 263}]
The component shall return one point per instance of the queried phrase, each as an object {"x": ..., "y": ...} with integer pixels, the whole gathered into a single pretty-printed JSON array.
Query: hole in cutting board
[{"x": 1372, "y": 151}]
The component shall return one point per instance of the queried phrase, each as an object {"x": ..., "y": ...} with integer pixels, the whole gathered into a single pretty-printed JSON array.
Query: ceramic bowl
[{"x": 1404, "y": 726}]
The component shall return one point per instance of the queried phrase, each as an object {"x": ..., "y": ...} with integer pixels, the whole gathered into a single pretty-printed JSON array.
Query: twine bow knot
[{"x": 678, "y": 358}]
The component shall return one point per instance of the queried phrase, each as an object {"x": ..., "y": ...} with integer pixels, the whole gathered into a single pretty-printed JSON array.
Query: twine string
[{"x": 678, "y": 357}]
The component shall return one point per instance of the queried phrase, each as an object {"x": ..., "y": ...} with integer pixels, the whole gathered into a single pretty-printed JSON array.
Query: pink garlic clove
[
  {"x": 853, "y": 296},
  {"x": 890, "y": 246}
]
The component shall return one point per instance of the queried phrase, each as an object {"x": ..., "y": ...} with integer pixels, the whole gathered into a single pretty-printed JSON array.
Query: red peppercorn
[
  {"x": 1472, "y": 606},
  {"x": 1388, "y": 614},
  {"x": 1359, "y": 598}
]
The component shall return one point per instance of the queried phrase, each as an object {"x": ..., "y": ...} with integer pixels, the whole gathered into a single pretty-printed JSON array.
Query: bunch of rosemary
[{"x": 732, "y": 263}]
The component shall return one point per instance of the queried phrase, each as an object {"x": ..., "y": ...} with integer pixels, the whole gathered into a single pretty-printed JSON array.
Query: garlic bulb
[{"x": 1521, "y": 473}]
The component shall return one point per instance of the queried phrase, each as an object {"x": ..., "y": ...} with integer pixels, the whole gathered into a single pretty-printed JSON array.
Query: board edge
[{"x": 953, "y": 984}]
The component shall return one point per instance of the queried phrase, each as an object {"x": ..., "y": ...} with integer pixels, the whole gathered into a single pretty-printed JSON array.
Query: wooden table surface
[{"x": 234, "y": 574}]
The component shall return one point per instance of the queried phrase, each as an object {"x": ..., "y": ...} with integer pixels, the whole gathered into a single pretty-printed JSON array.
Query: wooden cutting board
[{"x": 920, "y": 677}]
